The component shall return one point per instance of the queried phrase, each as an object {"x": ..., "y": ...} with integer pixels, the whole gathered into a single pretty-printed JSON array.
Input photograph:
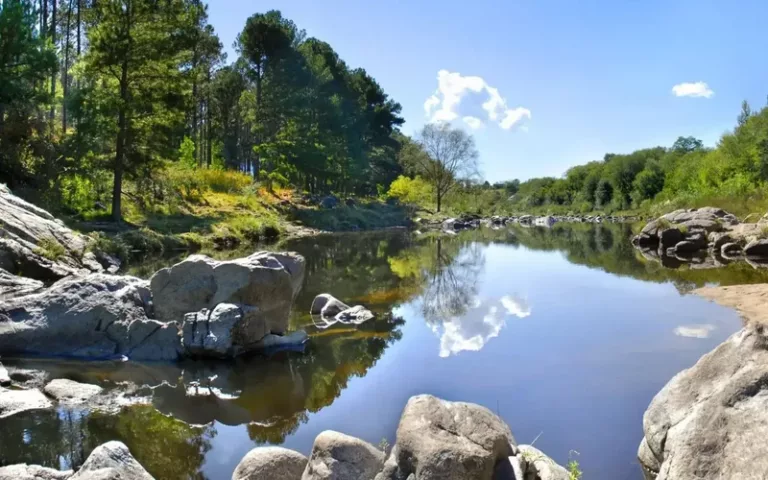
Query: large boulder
[
  {"x": 266, "y": 282},
  {"x": 538, "y": 466},
  {"x": 71, "y": 392},
  {"x": 111, "y": 461},
  {"x": 213, "y": 333},
  {"x": 15, "y": 286},
  {"x": 16, "y": 401},
  {"x": 448, "y": 440},
  {"x": 27, "y": 230},
  {"x": 710, "y": 421},
  {"x": 32, "y": 472},
  {"x": 96, "y": 316},
  {"x": 270, "y": 463},
  {"x": 336, "y": 456},
  {"x": 757, "y": 248}
]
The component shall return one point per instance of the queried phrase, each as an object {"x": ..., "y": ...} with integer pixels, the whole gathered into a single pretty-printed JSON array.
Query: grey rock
[
  {"x": 686, "y": 247},
  {"x": 266, "y": 282},
  {"x": 15, "y": 401},
  {"x": 448, "y": 440},
  {"x": 757, "y": 248},
  {"x": 15, "y": 286},
  {"x": 270, "y": 463},
  {"x": 336, "y": 456},
  {"x": 96, "y": 316},
  {"x": 730, "y": 250},
  {"x": 669, "y": 237},
  {"x": 111, "y": 461},
  {"x": 327, "y": 305},
  {"x": 32, "y": 472},
  {"x": 540, "y": 466},
  {"x": 356, "y": 315},
  {"x": 71, "y": 392},
  {"x": 210, "y": 332},
  {"x": 709, "y": 420},
  {"x": 5, "y": 379},
  {"x": 24, "y": 227}
]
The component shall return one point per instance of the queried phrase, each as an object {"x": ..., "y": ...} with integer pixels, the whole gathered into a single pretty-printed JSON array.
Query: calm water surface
[{"x": 566, "y": 333}]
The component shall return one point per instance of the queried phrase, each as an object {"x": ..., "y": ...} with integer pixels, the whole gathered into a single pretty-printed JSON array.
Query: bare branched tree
[{"x": 449, "y": 155}]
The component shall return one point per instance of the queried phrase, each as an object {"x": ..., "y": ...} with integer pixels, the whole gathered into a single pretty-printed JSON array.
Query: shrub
[{"x": 50, "y": 248}]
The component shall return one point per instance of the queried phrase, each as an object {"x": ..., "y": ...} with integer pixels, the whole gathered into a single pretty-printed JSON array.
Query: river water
[{"x": 567, "y": 333}]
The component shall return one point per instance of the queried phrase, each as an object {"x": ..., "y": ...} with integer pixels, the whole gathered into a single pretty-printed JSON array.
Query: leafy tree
[
  {"x": 603, "y": 193},
  {"x": 449, "y": 154},
  {"x": 133, "y": 67},
  {"x": 411, "y": 190},
  {"x": 648, "y": 183},
  {"x": 687, "y": 145}
]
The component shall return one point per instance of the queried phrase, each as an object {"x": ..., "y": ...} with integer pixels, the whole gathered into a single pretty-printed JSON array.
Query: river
[{"x": 567, "y": 333}]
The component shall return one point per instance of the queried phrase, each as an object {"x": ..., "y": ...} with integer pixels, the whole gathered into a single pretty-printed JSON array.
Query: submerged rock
[
  {"x": 71, "y": 392},
  {"x": 327, "y": 305},
  {"x": 270, "y": 463},
  {"x": 16, "y": 401},
  {"x": 336, "y": 456}
]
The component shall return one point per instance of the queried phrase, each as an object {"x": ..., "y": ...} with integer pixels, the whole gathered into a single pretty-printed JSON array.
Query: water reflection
[{"x": 695, "y": 331}]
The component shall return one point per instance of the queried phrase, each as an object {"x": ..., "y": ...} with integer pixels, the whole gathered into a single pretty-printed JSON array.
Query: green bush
[{"x": 50, "y": 248}]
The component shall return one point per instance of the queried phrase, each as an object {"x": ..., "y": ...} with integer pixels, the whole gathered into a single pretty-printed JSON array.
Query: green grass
[
  {"x": 364, "y": 216},
  {"x": 50, "y": 248}
]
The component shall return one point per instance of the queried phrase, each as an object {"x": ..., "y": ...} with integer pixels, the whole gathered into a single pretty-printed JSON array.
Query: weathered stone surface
[
  {"x": 267, "y": 282},
  {"x": 111, "y": 461},
  {"x": 15, "y": 286},
  {"x": 270, "y": 463},
  {"x": 15, "y": 401},
  {"x": 448, "y": 440},
  {"x": 709, "y": 420},
  {"x": 541, "y": 467},
  {"x": 71, "y": 392},
  {"x": 669, "y": 237},
  {"x": 356, "y": 315},
  {"x": 327, "y": 305},
  {"x": 32, "y": 472},
  {"x": 5, "y": 379},
  {"x": 210, "y": 332},
  {"x": 757, "y": 248},
  {"x": 96, "y": 316},
  {"x": 25, "y": 227},
  {"x": 336, "y": 456}
]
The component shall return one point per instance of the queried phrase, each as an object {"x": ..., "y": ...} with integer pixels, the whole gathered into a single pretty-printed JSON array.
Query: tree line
[{"x": 109, "y": 91}]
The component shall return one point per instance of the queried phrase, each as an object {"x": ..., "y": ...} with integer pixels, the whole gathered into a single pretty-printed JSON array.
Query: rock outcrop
[
  {"x": 270, "y": 463},
  {"x": 16, "y": 401},
  {"x": 328, "y": 310},
  {"x": 15, "y": 286},
  {"x": 336, "y": 456},
  {"x": 96, "y": 316},
  {"x": 436, "y": 439},
  {"x": 29, "y": 234},
  {"x": 33, "y": 472},
  {"x": 70, "y": 392}
]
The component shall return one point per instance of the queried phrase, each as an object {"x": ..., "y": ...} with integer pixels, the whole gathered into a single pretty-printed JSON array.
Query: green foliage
[
  {"x": 187, "y": 154},
  {"x": 50, "y": 248},
  {"x": 411, "y": 191}
]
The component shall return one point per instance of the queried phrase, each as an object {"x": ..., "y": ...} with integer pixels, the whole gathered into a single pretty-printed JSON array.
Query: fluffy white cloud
[
  {"x": 452, "y": 87},
  {"x": 473, "y": 122},
  {"x": 694, "y": 89},
  {"x": 515, "y": 306},
  {"x": 695, "y": 331}
]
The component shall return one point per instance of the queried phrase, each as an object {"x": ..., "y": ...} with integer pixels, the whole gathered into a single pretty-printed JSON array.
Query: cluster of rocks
[
  {"x": 695, "y": 234},
  {"x": 465, "y": 222},
  {"x": 436, "y": 439},
  {"x": 198, "y": 307},
  {"x": 110, "y": 461}
]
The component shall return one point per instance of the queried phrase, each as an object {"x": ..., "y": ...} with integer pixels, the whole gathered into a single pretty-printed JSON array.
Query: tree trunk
[
  {"x": 208, "y": 118},
  {"x": 52, "y": 113},
  {"x": 66, "y": 71},
  {"x": 122, "y": 127},
  {"x": 439, "y": 200}
]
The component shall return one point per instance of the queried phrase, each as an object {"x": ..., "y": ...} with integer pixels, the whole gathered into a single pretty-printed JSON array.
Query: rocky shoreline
[{"x": 435, "y": 439}]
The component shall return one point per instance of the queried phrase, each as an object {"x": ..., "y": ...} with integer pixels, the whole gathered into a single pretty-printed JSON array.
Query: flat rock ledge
[
  {"x": 436, "y": 439},
  {"x": 710, "y": 420}
]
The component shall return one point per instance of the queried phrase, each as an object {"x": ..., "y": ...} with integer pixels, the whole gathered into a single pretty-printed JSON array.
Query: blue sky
[{"x": 596, "y": 76}]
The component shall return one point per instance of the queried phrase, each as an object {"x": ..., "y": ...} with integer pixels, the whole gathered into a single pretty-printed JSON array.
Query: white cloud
[
  {"x": 473, "y": 122},
  {"x": 515, "y": 306},
  {"x": 695, "y": 89},
  {"x": 452, "y": 87},
  {"x": 694, "y": 331}
]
